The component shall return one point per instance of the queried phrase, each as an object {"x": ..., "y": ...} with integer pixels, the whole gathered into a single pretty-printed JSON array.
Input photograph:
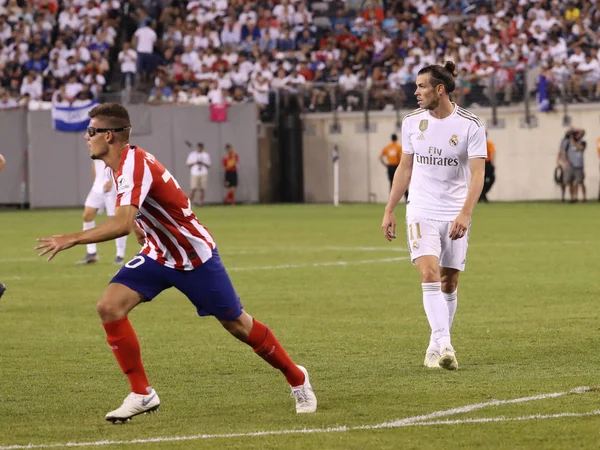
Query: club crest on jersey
[
  {"x": 423, "y": 125},
  {"x": 123, "y": 184},
  {"x": 454, "y": 140}
]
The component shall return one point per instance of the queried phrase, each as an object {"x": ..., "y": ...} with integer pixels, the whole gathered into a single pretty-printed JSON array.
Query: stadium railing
[{"x": 522, "y": 89}]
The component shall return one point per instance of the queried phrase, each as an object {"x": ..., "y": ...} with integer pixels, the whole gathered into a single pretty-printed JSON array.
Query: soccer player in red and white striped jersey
[
  {"x": 174, "y": 236},
  {"x": 178, "y": 251}
]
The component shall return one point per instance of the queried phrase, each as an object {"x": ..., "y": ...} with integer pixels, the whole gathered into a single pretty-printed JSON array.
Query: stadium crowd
[{"x": 324, "y": 53}]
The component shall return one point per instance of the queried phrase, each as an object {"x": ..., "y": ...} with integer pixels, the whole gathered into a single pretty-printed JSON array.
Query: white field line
[
  {"x": 278, "y": 250},
  {"x": 596, "y": 412},
  {"x": 229, "y": 269},
  {"x": 407, "y": 422},
  {"x": 255, "y": 251},
  {"x": 322, "y": 264}
]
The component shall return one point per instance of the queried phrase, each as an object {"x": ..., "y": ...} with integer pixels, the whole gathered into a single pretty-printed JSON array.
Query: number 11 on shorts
[{"x": 417, "y": 228}]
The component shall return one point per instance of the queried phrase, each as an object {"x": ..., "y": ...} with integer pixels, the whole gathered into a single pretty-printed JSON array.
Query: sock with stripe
[
  {"x": 124, "y": 343},
  {"x": 452, "y": 302},
  {"x": 265, "y": 344},
  {"x": 436, "y": 310},
  {"x": 90, "y": 248}
]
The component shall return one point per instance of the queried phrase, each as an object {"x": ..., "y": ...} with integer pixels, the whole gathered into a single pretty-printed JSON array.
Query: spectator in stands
[
  {"x": 128, "y": 59},
  {"x": 32, "y": 85},
  {"x": 6, "y": 102},
  {"x": 144, "y": 39},
  {"x": 349, "y": 84}
]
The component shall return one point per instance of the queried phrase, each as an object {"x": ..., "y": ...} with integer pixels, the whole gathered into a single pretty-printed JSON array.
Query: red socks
[
  {"x": 265, "y": 344},
  {"x": 125, "y": 345},
  {"x": 230, "y": 197}
]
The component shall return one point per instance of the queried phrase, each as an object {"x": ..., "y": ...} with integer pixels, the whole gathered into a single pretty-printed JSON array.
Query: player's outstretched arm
[
  {"x": 399, "y": 186},
  {"x": 2, "y": 162},
  {"x": 461, "y": 224},
  {"x": 121, "y": 224}
]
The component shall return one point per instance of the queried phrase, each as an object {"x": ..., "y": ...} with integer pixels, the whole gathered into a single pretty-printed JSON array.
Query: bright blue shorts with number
[{"x": 208, "y": 286}]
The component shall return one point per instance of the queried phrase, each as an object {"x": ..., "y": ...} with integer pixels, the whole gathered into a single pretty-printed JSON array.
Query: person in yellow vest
[{"x": 390, "y": 157}]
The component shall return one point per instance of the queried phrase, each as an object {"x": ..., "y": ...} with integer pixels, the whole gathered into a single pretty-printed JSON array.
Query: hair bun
[{"x": 451, "y": 67}]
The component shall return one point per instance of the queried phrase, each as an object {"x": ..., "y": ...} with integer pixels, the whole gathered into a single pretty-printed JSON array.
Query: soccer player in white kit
[
  {"x": 102, "y": 196},
  {"x": 444, "y": 150}
]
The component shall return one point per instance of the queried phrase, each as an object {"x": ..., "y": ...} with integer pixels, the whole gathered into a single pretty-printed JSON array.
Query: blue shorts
[{"x": 208, "y": 286}]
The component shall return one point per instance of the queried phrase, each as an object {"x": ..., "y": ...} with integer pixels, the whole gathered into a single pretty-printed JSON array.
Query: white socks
[
  {"x": 121, "y": 244},
  {"x": 452, "y": 302},
  {"x": 91, "y": 248},
  {"x": 436, "y": 309}
]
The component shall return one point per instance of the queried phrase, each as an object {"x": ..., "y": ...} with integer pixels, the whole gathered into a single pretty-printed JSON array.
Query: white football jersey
[{"x": 442, "y": 149}]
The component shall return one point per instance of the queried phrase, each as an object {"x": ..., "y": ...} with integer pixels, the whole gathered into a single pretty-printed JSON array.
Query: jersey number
[
  {"x": 418, "y": 229},
  {"x": 135, "y": 262},
  {"x": 166, "y": 176}
]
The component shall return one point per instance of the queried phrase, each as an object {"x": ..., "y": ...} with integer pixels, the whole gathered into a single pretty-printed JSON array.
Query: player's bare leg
[
  {"x": 265, "y": 344},
  {"x": 114, "y": 306},
  {"x": 89, "y": 214},
  {"x": 437, "y": 313},
  {"x": 573, "y": 191}
]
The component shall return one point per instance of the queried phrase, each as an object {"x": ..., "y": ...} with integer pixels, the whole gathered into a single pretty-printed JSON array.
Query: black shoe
[{"x": 2, "y": 289}]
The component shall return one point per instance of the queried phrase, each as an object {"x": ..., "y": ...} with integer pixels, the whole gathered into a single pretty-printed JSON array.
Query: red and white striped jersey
[{"x": 174, "y": 236}]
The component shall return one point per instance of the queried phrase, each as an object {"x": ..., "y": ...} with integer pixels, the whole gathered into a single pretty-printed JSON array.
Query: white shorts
[
  {"x": 102, "y": 201},
  {"x": 427, "y": 237},
  {"x": 198, "y": 181}
]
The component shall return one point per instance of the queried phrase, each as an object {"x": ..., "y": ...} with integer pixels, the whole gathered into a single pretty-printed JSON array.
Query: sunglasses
[{"x": 91, "y": 131}]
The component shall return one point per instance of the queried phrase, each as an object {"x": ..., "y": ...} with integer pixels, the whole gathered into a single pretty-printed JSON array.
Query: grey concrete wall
[
  {"x": 525, "y": 157},
  {"x": 13, "y": 146},
  {"x": 60, "y": 168}
]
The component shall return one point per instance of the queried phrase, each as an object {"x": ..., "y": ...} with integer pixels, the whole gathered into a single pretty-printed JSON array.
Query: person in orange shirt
[
  {"x": 390, "y": 157},
  {"x": 230, "y": 163},
  {"x": 490, "y": 171}
]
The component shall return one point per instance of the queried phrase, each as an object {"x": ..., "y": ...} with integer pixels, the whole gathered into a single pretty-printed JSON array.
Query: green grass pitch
[{"x": 346, "y": 304}]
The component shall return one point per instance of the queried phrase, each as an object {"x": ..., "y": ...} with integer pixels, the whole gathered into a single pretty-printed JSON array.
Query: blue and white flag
[{"x": 72, "y": 118}]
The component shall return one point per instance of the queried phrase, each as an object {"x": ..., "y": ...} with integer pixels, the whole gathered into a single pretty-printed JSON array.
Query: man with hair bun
[{"x": 444, "y": 150}]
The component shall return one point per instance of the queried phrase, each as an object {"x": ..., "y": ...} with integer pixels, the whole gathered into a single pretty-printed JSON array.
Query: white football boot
[
  {"x": 448, "y": 359},
  {"x": 432, "y": 359},
  {"x": 133, "y": 405},
  {"x": 306, "y": 401}
]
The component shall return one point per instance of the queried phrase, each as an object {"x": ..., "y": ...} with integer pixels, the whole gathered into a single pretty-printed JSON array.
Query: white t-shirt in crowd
[
  {"x": 128, "y": 60},
  {"x": 146, "y": 37}
]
